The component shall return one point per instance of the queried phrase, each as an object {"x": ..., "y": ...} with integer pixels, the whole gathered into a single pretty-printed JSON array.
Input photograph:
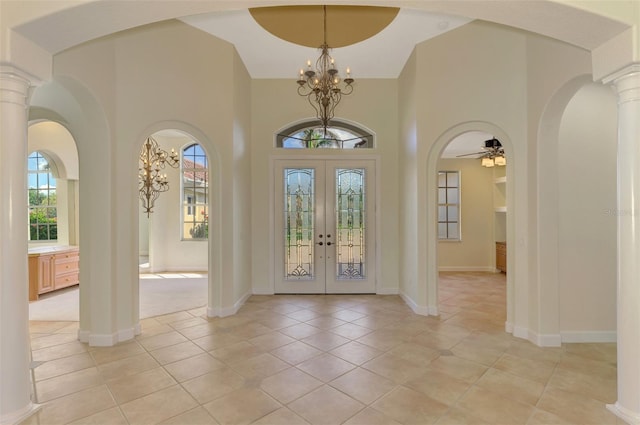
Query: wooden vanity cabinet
[
  {"x": 501, "y": 256},
  {"x": 52, "y": 268}
]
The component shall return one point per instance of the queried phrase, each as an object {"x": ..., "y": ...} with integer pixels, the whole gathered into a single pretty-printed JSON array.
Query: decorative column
[
  {"x": 15, "y": 386},
  {"x": 627, "y": 84}
]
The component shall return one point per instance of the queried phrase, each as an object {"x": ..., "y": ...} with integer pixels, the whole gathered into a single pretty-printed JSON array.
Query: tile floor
[{"x": 330, "y": 359}]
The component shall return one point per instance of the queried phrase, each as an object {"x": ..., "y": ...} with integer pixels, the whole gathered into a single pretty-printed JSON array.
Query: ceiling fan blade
[{"x": 469, "y": 154}]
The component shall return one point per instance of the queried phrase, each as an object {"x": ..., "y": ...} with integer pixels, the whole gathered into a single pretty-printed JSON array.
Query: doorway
[{"x": 324, "y": 226}]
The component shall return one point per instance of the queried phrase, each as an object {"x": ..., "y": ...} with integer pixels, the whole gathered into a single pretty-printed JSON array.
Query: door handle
[
  {"x": 320, "y": 243},
  {"x": 328, "y": 243}
]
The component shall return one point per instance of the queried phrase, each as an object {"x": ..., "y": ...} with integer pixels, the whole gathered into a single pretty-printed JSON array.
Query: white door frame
[{"x": 339, "y": 155}]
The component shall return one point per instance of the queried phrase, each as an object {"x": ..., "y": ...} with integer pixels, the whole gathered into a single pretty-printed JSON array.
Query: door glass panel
[
  {"x": 298, "y": 223},
  {"x": 350, "y": 224}
]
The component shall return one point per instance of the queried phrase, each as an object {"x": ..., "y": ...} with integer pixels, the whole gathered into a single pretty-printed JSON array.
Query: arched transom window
[
  {"x": 311, "y": 135},
  {"x": 195, "y": 193}
]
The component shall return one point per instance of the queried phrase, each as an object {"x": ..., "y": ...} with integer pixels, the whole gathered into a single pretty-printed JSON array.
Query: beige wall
[{"x": 474, "y": 251}]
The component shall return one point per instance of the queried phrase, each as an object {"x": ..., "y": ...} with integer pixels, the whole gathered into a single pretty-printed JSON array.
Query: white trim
[
  {"x": 490, "y": 269},
  {"x": 394, "y": 290},
  {"x": 103, "y": 340},
  {"x": 546, "y": 340},
  {"x": 125, "y": 334},
  {"x": 228, "y": 311},
  {"x": 83, "y": 336},
  {"x": 589, "y": 336},
  {"x": 623, "y": 413},
  {"x": 22, "y": 414},
  {"x": 108, "y": 340},
  {"x": 508, "y": 327},
  {"x": 417, "y": 309}
]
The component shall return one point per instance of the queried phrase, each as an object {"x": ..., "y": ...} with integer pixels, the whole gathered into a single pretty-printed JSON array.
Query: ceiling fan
[{"x": 492, "y": 153}]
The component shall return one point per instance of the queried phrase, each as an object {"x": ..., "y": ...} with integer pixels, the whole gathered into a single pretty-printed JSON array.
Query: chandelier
[
  {"x": 151, "y": 182},
  {"x": 322, "y": 86}
]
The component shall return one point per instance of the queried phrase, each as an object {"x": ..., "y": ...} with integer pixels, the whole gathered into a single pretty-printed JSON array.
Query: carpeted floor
[{"x": 159, "y": 294}]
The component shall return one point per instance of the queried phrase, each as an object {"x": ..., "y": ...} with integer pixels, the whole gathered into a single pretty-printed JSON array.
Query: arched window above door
[{"x": 311, "y": 135}]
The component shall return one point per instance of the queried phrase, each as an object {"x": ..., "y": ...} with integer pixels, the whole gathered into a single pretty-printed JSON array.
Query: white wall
[
  {"x": 587, "y": 216},
  {"x": 476, "y": 249}
]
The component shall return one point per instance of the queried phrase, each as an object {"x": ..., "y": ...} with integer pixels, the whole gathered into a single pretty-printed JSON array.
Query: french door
[{"x": 325, "y": 226}]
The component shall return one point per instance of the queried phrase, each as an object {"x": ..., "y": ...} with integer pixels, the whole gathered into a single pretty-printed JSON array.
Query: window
[
  {"x": 449, "y": 205},
  {"x": 43, "y": 212},
  {"x": 310, "y": 135},
  {"x": 195, "y": 193}
]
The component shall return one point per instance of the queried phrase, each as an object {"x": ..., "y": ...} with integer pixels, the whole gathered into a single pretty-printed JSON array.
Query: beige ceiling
[{"x": 303, "y": 25}]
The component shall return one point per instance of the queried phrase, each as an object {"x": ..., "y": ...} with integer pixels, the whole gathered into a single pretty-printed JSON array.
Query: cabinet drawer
[
  {"x": 68, "y": 279},
  {"x": 67, "y": 266}
]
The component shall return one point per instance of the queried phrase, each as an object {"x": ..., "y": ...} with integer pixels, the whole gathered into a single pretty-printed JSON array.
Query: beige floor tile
[
  {"x": 356, "y": 353},
  {"x": 511, "y": 386},
  {"x": 162, "y": 340},
  {"x": 103, "y": 355},
  {"x": 536, "y": 370},
  {"x": 326, "y": 405},
  {"x": 351, "y": 331},
  {"x": 111, "y": 416},
  {"x": 437, "y": 340},
  {"x": 174, "y": 317},
  {"x": 326, "y": 322},
  {"x": 176, "y": 352},
  {"x": 198, "y": 331},
  {"x": 575, "y": 408},
  {"x": 237, "y": 352},
  {"x": 37, "y": 326},
  {"x": 392, "y": 367},
  {"x": 76, "y": 406},
  {"x": 242, "y": 406},
  {"x": 348, "y": 315},
  {"x": 214, "y": 384},
  {"x": 439, "y": 386},
  {"x": 527, "y": 350},
  {"x": 153, "y": 331},
  {"x": 187, "y": 323},
  {"x": 541, "y": 417},
  {"x": 197, "y": 416},
  {"x": 135, "y": 386},
  {"x": 282, "y": 416},
  {"x": 303, "y": 315},
  {"x": 407, "y": 406},
  {"x": 476, "y": 353},
  {"x": 492, "y": 407},
  {"x": 127, "y": 366},
  {"x": 415, "y": 353},
  {"x": 296, "y": 352},
  {"x": 217, "y": 340},
  {"x": 582, "y": 364},
  {"x": 325, "y": 341},
  {"x": 596, "y": 387},
  {"x": 289, "y": 385},
  {"x": 301, "y": 330},
  {"x": 325, "y": 367},
  {"x": 59, "y": 351},
  {"x": 363, "y": 385},
  {"x": 259, "y": 367},
  {"x": 600, "y": 352},
  {"x": 459, "y": 417},
  {"x": 68, "y": 384},
  {"x": 158, "y": 406},
  {"x": 192, "y": 367},
  {"x": 278, "y": 322},
  {"x": 52, "y": 339},
  {"x": 271, "y": 341},
  {"x": 64, "y": 365},
  {"x": 250, "y": 330},
  {"x": 382, "y": 339},
  {"x": 369, "y": 416}
]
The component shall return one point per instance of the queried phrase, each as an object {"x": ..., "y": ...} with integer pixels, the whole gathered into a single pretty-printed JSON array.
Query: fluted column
[
  {"x": 627, "y": 84},
  {"x": 15, "y": 387}
]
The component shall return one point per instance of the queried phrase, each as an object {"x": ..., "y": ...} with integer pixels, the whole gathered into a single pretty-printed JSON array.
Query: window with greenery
[
  {"x": 311, "y": 135},
  {"x": 195, "y": 193},
  {"x": 449, "y": 205},
  {"x": 43, "y": 212}
]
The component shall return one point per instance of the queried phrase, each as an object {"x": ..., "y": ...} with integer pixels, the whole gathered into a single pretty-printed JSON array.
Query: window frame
[
  {"x": 446, "y": 204},
  {"x": 189, "y": 204},
  {"x": 358, "y": 132},
  {"x": 39, "y": 156}
]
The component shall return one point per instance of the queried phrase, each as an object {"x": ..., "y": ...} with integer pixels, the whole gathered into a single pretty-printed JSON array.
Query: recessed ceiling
[{"x": 382, "y": 55}]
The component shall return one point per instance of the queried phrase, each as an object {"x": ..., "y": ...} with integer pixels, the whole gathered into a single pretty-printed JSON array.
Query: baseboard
[
  {"x": 418, "y": 309},
  {"x": 467, "y": 269},
  {"x": 632, "y": 418},
  {"x": 109, "y": 340},
  {"x": 589, "y": 336},
  {"x": 388, "y": 291},
  {"x": 228, "y": 311},
  {"x": 21, "y": 415},
  {"x": 544, "y": 340}
]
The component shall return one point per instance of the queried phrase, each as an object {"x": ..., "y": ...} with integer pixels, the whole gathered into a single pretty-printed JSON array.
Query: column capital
[
  {"x": 627, "y": 83},
  {"x": 14, "y": 85}
]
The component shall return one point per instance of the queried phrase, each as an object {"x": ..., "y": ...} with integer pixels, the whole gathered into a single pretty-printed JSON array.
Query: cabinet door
[{"x": 45, "y": 273}]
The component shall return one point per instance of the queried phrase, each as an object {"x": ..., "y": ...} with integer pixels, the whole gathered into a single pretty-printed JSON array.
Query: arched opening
[
  {"x": 472, "y": 233},
  {"x": 174, "y": 229},
  {"x": 53, "y": 190}
]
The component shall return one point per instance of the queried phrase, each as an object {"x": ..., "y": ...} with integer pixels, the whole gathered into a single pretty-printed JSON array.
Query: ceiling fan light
[
  {"x": 500, "y": 160},
  {"x": 487, "y": 162}
]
